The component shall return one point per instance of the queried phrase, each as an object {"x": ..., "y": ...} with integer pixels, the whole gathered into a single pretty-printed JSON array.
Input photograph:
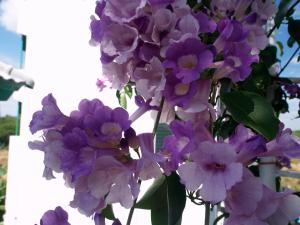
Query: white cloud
[
  {"x": 290, "y": 119},
  {"x": 9, "y": 13},
  {"x": 295, "y": 60}
]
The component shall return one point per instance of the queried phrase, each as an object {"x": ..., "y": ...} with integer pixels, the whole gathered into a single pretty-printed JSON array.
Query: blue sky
[{"x": 10, "y": 46}]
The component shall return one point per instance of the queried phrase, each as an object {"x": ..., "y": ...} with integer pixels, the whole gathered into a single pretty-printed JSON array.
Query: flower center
[
  {"x": 188, "y": 61},
  {"x": 110, "y": 128},
  {"x": 182, "y": 89},
  {"x": 216, "y": 166}
]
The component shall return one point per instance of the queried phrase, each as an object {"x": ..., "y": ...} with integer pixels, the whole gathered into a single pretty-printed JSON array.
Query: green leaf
[
  {"x": 192, "y": 3},
  {"x": 294, "y": 29},
  {"x": 149, "y": 200},
  {"x": 280, "y": 46},
  {"x": 252, "y": 110},
  {"x": 128, "y": 90},
  {"x": 259, "y": 80},
  {"x": 290, "y": 42},
  {"x": 269, "y": 55},
  {"x": 163, "y": 130},
  {"x": 166, "y": 200},
  {"x": 283, "y": 9},
  {"x": 108, "y": 213}
]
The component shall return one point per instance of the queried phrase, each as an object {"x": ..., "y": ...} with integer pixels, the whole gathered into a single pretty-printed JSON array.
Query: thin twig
[
  {"x": 275, "y": 25},
  {"x": 158, "y": 116},
  {"x": 154, "y": 132},
  {"x": 132, "y": 209},
  {"x": 288, "y": 62},
  {"x": 207, "y": 213}
]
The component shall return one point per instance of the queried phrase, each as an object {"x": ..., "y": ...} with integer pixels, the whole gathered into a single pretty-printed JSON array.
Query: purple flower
[
  {"x": 160, "y": 2},
  {"x": 163, "y": 22},
  {"x": 288, "y": 210},
  {"x": 52, "y": 146},
  {"x": 205, "y": 23},
  {"x": 284, "y": 145},
  {"x": 292, "y": 89},
  {"x": 248, "y": 145},
  {"x": 243, "y": 198},
  {"x": 58, "y": 216},
  {"x": 237, "y": 62},
  {"x": 187, "y": 59},
  {"x": 214, "y": 167},
  {"x": 147, "y": 166},
  {"x": 49, "y": 116},
  {"x": 123, "y": 11},
  {"x": 188, "y": 24},
  {"x": 265, "y": 9},
  {"x": 272, "y": 209},
  {"x": 178, "y": 93},
  {"x": 150, "y": 80},
  {"x": 230, "y": 31},
  {"x": 117, "y": 74},
  {"x": 121, "y": 40}
]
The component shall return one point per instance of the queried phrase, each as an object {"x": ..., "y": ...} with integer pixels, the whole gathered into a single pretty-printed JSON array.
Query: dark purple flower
[
  {"x": 230, "y": 31},
  {"x": 205, "y": 23},
  {"x": 58, "y": 216},
  {"x": 98, "y": 28},
  {"x": 237, "y": 62},
  {"x": 49, "y": 116},
  {"x": 291, "y": 89},
  {"x": 187, "y": 59},
  {"x": 176, "y": 146},
  {"x": 99, "y": 219}
]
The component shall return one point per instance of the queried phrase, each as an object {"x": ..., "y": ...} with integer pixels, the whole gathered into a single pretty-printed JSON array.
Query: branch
[
  {"x": 290, "y": 59},
  {"x": 275, "y": 25}
]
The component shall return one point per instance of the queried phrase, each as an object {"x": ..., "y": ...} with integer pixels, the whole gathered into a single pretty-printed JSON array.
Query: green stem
[
  {"x": 219, "y": 218},
  {"x": 154, "y": 132},
  {"x": 207, "y": 213},
  {"x": 132, "y": 209},
  {"x": 288, "y": 62},
  {"x": 158, "y": 116}
]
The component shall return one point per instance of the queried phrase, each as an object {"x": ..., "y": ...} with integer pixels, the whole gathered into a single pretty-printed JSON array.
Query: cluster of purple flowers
[
  {"x": 156, "y": 45},
  {"x": 91, "y": 148},
  {"x": 173, "y": 55}
]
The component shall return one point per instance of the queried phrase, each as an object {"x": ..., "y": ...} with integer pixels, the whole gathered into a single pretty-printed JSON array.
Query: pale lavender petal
[{"x": 189, "y": 175}]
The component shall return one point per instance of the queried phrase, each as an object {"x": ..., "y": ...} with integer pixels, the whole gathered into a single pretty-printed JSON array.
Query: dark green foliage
[
  {"x": 7, "y": 128},
  {"x": 166, "y": 200},
  {"x": 283, "y": 11},
  {"x": 252, "y": 110},
  {"x": 2, "y": 191},
  {"x": 163, "y": 130},
  {"x": 258, "y": 81},
  {"x": 108, "y": 213},
  {"x": 294, "y": 29},
  {"x": 269, "y": 55}
]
